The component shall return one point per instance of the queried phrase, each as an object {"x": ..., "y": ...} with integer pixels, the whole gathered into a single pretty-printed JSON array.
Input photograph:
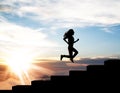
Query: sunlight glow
[{"x": 20, "y": 62}]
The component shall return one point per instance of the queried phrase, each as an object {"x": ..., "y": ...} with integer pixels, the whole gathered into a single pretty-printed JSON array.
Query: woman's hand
[{"x": 76, "y": 40}]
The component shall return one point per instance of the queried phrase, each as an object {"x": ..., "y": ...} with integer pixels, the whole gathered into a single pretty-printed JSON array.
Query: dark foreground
[{"x": 95, "y": 79}]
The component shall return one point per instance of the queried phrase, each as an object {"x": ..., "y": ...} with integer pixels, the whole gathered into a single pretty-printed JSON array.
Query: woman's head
[{"x": 69, "y": 33}]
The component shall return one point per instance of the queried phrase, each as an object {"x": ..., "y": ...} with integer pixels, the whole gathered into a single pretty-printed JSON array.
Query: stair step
[
  {"x": 112, "y": 65},
  {"x": 95, "y": 68},
  {"x": 77, "y": 73},
  {"x": 42, "y": 86},
  {"x": 40, "y": 83},
  {"x": 5, "y": 91},
  {"x": 22, "y": 89},
  {"x": 59, "y": 78}
]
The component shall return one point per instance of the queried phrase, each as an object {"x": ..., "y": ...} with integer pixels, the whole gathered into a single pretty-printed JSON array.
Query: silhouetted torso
[{"x": 70, "y": 41}]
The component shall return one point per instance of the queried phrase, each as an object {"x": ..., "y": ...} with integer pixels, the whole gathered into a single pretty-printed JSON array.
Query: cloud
[
  {"x": 14, "y": 37},
  {"x": 107, "y": 30},
  {"x": 96, "y": 60},
  {"x": 22, "y": 35},
  {"x": 112, "y": 28},
  {"x": 5, "y": 8},
  {"x": 66, "y": 13}
]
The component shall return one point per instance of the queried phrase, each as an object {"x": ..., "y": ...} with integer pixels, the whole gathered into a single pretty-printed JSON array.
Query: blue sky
[{"x": 37, "y": 27}]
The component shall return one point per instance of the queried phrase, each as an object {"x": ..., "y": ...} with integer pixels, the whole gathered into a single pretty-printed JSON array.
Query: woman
[{"x": 69, "y": 39}]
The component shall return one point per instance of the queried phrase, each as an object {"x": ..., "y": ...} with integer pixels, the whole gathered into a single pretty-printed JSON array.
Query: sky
[
  {"x": 35, "y": 28},
  {"x": 38, "y": 26}
]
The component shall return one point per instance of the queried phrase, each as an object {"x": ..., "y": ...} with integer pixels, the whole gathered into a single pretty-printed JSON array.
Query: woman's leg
[
  {"x": 70, "y": 50},
  {"x": 75, "y": 52},
  {"x": 62, "y": 56},
  {"x": 71, "y": 53},
  {"x": 67, "y": 56}
]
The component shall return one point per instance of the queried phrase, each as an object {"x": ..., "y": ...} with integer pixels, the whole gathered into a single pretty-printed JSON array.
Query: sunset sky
[{"x": 35, "y": 28}]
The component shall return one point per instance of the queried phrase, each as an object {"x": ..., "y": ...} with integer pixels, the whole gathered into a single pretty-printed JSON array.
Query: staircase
[{"x": 96, "y": 78}]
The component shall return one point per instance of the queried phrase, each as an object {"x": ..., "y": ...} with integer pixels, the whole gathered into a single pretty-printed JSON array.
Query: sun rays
[{"x": 21, "y": 65}]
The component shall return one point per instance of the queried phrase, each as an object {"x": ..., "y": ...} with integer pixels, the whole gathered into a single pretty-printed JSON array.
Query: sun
[{"x": 20, "y": 62}]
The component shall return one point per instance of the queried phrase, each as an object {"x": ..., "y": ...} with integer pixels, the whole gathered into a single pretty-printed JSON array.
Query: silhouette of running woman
[{"x": 69, "y": 39}]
